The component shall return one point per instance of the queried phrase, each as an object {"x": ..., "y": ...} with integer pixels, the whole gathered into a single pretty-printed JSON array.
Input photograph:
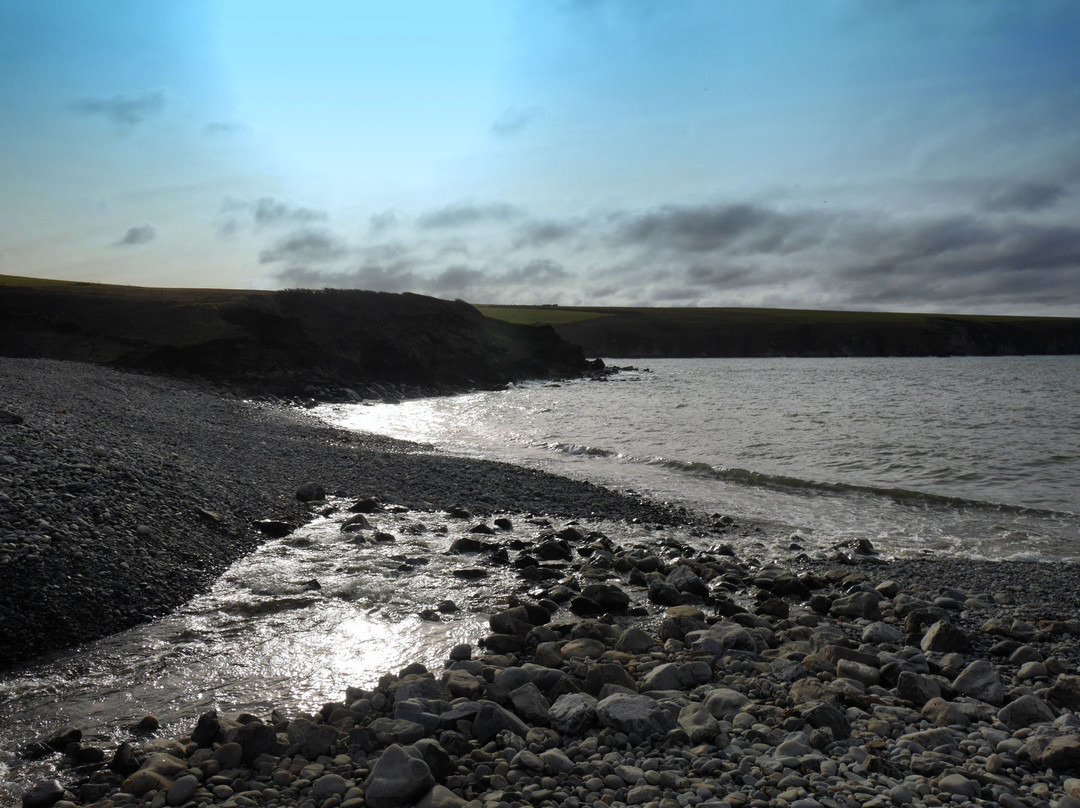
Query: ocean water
[{"x": 978, "y": 456}]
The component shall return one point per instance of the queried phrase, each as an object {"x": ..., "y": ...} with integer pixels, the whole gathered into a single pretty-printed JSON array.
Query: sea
[
  {"x": 970, "y": 456},
  {"x": 974, "y": 457}
]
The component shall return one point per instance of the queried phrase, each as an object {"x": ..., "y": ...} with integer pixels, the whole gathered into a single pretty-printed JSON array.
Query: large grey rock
[
  {"x": 662, "y": 677},
  {"x": 529, "y": 703},
  {"x": 980, "y": 680},
  {"x": 182, "y": 790},
  {"x": 698, "y": 723},
  {"x": 441, "y": 797},
  {"x": 635, "y": 641},
  {"x": 917, "y": 688},
  {"x": 1024, "y": 712},
  {"x": 397, "y": 778},
  {"x": 857, "y": 604},
  {"x": 945, "y": 638},
  {"x": 491, "y": 719},
  {"x": 634, "y": 714},
  {"x": 685, "y": 579},
  {"x": 823, "y": 714},
  {"x": 573, "y": 713},
  {"x": 43, "y": 794},
  {"x": 723, "y": 703},
  {"x": 327, "y": 786}
]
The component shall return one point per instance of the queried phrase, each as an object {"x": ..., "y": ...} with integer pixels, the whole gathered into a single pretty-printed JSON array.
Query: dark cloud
[
  {"x": 305, "y": 246},
  {"x": 719, "y": 277},
  {"x": 708, "y": 228},
  {"x": 1023, "y": 196},
  {"x": 139, "y": 234},
  {"x": 513, "y": 120},
  {"x": 542, "y": 232},
  {"x": 465, "y": 214},
  {"x": 124, "y": 111},
  {"x": 270, "y": 211},
  {"x": 542, "y": 271}
]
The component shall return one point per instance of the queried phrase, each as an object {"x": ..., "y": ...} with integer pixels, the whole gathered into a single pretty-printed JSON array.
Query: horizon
[{"x": 844, "y": 156}]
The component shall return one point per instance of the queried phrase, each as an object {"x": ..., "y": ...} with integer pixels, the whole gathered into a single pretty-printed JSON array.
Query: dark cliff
[
  {"x": 778, "y": 332},
  {"x": 294, "y": 342}
]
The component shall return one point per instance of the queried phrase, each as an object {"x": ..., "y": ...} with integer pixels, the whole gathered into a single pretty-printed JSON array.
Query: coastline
[{"x": 807, "y": 696}]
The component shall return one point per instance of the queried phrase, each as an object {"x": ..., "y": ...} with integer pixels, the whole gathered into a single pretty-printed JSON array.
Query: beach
[{"x": 664, "y": 670}]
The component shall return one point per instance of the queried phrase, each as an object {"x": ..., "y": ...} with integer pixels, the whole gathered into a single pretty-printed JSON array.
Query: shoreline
[
  {"x": 807, "y": 698},
  {"x": 125, "y": 494}
]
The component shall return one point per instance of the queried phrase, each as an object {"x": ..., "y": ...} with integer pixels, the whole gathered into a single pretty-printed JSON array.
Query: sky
[{"x": 902, "y": 155}]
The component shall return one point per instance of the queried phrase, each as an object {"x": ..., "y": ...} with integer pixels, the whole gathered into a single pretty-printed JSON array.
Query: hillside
[
  {"x": 294, "y": 342},
  {"x": 731, "y": 332}
]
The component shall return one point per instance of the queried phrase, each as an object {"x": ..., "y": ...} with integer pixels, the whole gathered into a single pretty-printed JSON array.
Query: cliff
[{"x": 294, "y": 342}]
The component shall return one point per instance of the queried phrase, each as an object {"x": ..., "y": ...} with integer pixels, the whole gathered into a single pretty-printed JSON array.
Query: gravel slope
[{"x": 122, "y": 495}]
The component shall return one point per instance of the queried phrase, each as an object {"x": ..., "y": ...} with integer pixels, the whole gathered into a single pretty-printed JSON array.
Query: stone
[
  {"x": 960, "y": 785},
  {"x": 634, "y": 714},
  {"x": 684, "y": 579},
  {"x": 491, "y": 719},
  {"x": 1065, "y": 693},
  {"x": 327, "y": 786},
  {"x": 662, "y": 677},
  {"x": 573, "y": 713},
  {"x": 1060, "y": 753},
  {"x": 857, "y": 604},
  {"x": 1025, "y": 711},
  {"x": 723, "y": 703},
  {"x": 608, "y": 597},
  {"x": 397, "y": 778},
  {"x": 182, "y": 790},
  {"x": 529, "y": 703},
  {"x": 256, "y": 739},
  {"x": 822, "y": 714},
  {"x": 881, "y": 633},
  {"x": 942, "y": 713},
  {"x": 440, "y": 796},
  {"x": 698, "y": 723},
  {"x": 310, "y": 492},
  {"x": 635, "y": 641},
  {"x": 917, "y": 688},
  {"x": 944, "y": 638},
  {"x": 583, "y": 647},
  {"x": 231, "y": 755},
  {"x": 43, "y": 794},
  {"x": 980, "y": 680},
  {"x": 143, "y": 781}
]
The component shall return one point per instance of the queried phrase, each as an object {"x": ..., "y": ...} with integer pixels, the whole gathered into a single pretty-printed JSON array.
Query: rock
[
  {"x": 942, "y": 713},
  {"x": 491, "y": 719},
  {"x": 329, "y": 785},
  {"x": 1065, "y": 693},
  {"x": 182, "y": 790},
  {"x": 310, "y": 492},
  {"x": 635, "y": 641},
  {"x": 43, "y": 794},
  {"x": 1011, "y": 627},
  {"x": 684, "y": 579},
  {"x": 1060, "y": 753},
  {"x": 958, "y": 784},
  {"x": 207, "y": 729},
  {"x": 698, "y": 723},
  {"x": 857, "y": 604},
  {"x": 945, "y": 638},
  {"x": 397, "y": 779},
  {"x": 273, "y": 528},
  {"x": 634, "y": 714},
  {"x": 880, "y": 633},
  {"x": 723, "y": 703},
  {"x": 573, "y": 713},
  {"x": 822, "y": 714},
  {"x": 145, "y": 780},
  {"x": 256, "y": 738},
  {"x": 917, "y": 688},
  {"x": 608, "y": 597},
  {"x": 441, "y": 797},
  {"x": 231, "y": 755},
  {"x": 1025, "y": 711},
  {"x": 662, "y": 677},
  {"x": 8, "y": 417},
  {"x": 980, "y": 680},
  {"x": 529, "y": 703}
]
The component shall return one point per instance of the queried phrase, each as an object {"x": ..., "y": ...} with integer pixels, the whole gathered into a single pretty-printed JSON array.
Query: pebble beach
[{"x": 666, "y": 671}]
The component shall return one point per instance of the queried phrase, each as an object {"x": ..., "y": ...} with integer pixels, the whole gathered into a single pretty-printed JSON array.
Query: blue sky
[{"x": 856, "y": 154}]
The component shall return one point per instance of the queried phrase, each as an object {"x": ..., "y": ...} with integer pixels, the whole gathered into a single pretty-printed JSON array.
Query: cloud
[
  {"x": 466, "y": 214},
  {"x": 512, "y": 120},
  {"x": 381, "y": 222},
  {"x": 139, "y": 234},
  {"x": 224, "y": 129},
  {"x": 125, "y": 111},
  {"x": 305, "y": 246},
  {"x": 1023, "y": 196},
  {"x": 708, "y": 228},
  {"x": 542, "y": 232},
  {"x": 270, "y": 211}
]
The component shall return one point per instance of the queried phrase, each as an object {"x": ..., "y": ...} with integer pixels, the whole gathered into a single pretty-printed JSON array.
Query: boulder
[
  {"x": 1025, "y": 712},
  {"x": 945, "y": 638},
  {"x": 723, "y": 703},
  {"x": 857, "y": 604},
  {"x": 310, "y": 492},
  {"x": 491, "y": 719},
  {"x": 634, "y": 715},
  {"x": 43, "y": 794},
  {"x": 698, "y": 723},
  {"x": 398, "y": 778},
  {"x": 980, "y": 680},
  {"x": 573, "y": 713}
]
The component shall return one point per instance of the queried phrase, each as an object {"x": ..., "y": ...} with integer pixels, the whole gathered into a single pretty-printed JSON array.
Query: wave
[{"x": 789, "y": 484}]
